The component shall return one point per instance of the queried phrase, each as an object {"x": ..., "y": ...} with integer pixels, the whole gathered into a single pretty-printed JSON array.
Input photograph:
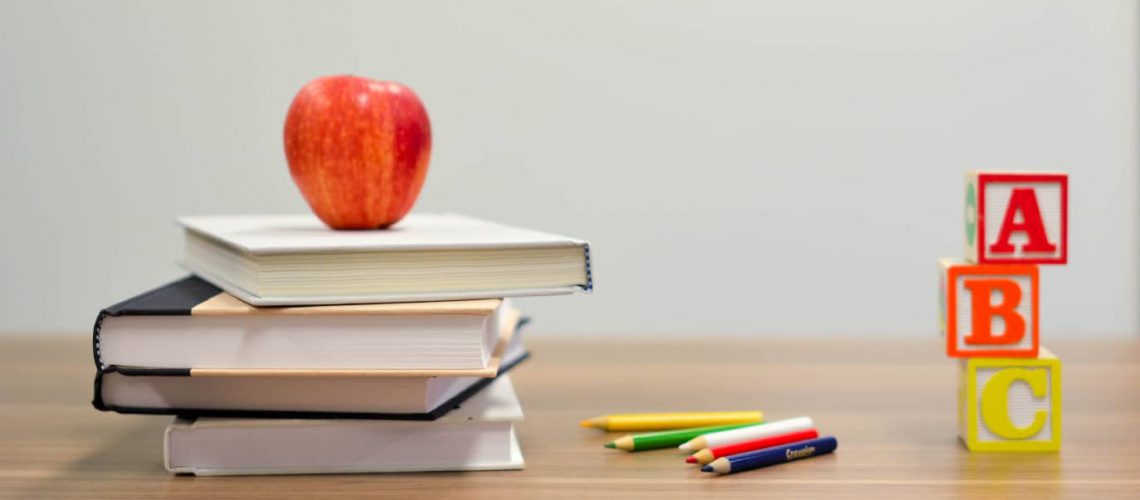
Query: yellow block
[{"x": 1010, "y": 404}]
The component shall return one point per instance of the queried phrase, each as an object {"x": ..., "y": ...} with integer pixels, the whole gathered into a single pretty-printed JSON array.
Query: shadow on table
[{"x": 1032, "y": 475}]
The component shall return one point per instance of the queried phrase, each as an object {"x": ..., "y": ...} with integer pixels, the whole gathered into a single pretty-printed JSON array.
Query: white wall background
[{"x": 741, "y": 167}]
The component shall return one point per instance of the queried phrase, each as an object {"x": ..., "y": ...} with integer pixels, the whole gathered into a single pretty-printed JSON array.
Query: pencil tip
[
  {"x": 690, "y": 460},
  {"x": 586, "y": 423},
  {"x": 610, "y": 445},
  {"x": 707, "y": 468},
  {"x": 684, "y": 447}
]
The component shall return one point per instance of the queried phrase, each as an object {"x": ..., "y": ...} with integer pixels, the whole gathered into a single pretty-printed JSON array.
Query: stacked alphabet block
[{"x": 1009, "y": 387}]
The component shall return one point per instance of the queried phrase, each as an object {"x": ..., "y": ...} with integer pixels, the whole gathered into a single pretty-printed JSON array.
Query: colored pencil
[
  {"x": 772, "y": 456},
  {"x": 769, "y": 429},
  {"x": 668, "y": 421},
  {"x": 665, "y": 439},
  {"x": 709, "y": 454}
]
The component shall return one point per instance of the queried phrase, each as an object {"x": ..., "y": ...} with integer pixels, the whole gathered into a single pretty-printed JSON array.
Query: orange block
[{"x": 989, "y": 310}]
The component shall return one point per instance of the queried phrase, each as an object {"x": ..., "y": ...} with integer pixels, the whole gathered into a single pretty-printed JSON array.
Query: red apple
[{"x": 358, "y": 149}]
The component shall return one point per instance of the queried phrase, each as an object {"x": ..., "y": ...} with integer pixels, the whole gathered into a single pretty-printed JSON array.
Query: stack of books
[{"x": 295, "y": 348}]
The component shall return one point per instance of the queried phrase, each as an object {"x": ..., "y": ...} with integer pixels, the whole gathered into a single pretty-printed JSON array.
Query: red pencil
[{"x": 709, "y": 454}]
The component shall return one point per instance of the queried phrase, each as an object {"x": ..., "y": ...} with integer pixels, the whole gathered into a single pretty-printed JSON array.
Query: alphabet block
[
  {"x": 1012, "y": 405},
  {"x": 1017, "y": 217},
  {"x": 989, "y": 310}
]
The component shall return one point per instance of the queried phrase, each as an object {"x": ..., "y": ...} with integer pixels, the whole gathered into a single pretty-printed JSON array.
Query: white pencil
[{"x": 731, "y": 436}]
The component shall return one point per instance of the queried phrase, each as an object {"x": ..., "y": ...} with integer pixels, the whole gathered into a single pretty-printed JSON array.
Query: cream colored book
[
  {"x": 192, "y": 325},
  {"x": 479, "y": 435},
  {"x": 274, "y": 260}
]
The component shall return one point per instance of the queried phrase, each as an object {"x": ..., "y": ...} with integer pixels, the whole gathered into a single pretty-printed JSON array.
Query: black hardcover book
[{"x": 189, "y": 348}]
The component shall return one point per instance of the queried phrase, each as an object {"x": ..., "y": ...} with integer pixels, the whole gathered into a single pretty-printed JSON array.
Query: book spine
[
  {"x": 95, "y": 348},
  {"x": 589, "y": 269}
]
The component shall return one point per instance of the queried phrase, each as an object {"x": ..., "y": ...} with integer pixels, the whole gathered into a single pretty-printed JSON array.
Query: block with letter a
[
  {"x": 1010, "y": 404},
  {"x": 989, "y": 310},
  {"x": 1017, "y": 217}
]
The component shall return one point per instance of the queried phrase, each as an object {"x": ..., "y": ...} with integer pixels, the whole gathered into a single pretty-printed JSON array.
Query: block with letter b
[
  {"x": 1010, "y": 404},
  {"x": 1017, "y": 217},
  {"x": 989, "y": 310}
]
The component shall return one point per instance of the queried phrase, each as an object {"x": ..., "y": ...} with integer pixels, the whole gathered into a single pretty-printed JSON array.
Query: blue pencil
[{"x": 772, "y": 456}]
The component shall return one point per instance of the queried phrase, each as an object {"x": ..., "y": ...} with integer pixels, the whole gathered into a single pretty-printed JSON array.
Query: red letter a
[{"x": 1023, "y": 200}]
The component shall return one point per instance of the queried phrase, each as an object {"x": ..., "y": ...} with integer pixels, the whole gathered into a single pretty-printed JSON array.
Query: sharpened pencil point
[
  {"x": 685, "y": 447},
  {"x": 586, "y": 423},
  {"x": 690, "y": 459},
  {"x": 707, "y": 468},
  {"x": 610, "y": 445}
]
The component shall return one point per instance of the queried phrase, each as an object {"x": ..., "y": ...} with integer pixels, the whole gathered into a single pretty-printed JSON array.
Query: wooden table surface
[{"x": 891, "y": 404}]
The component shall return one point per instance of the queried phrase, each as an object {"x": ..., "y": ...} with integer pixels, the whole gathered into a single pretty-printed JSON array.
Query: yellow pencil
[{"x": 665, "y": 421}]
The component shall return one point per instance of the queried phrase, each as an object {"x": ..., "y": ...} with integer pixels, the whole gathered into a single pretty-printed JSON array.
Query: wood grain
[{"x": 890, "y": 402}]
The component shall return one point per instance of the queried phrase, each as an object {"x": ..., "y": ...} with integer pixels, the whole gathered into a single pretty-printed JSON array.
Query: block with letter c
[
  {"x": 989, "y": 310},
  {"x": 1010, "y": 404}
]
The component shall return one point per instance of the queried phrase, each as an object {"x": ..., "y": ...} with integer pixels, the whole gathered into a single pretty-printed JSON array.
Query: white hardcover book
[
  {"x": 477, "y": 436},
  {"x": 276, "y": 260}
]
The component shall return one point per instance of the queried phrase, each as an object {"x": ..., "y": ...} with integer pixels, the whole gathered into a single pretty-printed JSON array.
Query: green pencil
[{"x": 667, "y": 439}]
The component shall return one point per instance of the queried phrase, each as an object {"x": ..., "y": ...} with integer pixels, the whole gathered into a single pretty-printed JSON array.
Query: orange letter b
[{"x": 983, "y": 310}]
